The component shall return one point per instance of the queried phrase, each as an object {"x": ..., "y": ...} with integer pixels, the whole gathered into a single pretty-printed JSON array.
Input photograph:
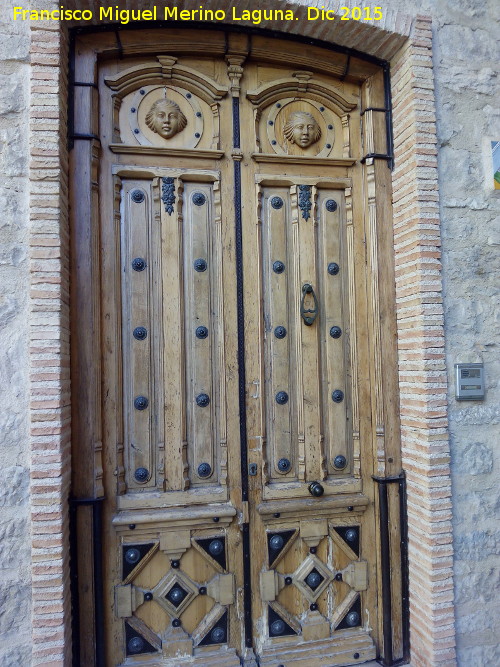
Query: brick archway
[{"x": 406, "y": 43}]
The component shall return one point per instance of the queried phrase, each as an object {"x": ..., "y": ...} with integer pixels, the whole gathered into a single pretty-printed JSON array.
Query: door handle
[{"x": 308, "y": 314}]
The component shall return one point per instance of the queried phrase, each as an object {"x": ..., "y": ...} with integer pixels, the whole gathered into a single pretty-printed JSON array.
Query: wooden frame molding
[{"x": 415, "y": 238}]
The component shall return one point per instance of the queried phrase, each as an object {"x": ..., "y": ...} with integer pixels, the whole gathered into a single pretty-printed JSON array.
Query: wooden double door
[{"x": 234, "y": 386}]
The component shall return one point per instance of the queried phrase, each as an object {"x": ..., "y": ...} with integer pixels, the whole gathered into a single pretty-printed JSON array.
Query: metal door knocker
[{"x": 308, "y": 314}]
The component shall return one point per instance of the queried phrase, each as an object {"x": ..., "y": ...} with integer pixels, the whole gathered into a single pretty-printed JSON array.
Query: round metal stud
[
  {"x": 136, "y": 131},
  {"x": 140, "y": 333},
  {"x": 217, "y": 635},
  {"x": 322, "y": 108},
  {"x": 338, "y": 576},
  {"x": 276, "y": 202},
  {"x": 215, "y": 519},
  {"x": 175, "y": 564},
  {"x": 313, "y": 606},
  {"x": 313, "y": 580},
  {"x": 284, "y": 465},
  {"x": 141, "y": 475},
  {"x": 176, "y": 595},
  {"x": 281, "y": 398},
  {"x": 280, "y": 332},
  {"x": 278, "y": 267},
  {"x": 337, "y": 396},
  {"x": 277, "y": 627},
  {"x": 138, "y": 264},
  {"x": 132, "y": 556},
  {"x": 142, "y": 91},
  {"x": 148, "y": 596},
  {"x": 333, "y": 268},
  {"x": 276, "y": 515},
  {"x": 197, "y": 135},
  {"x": 350, "y": 508},
  {"x": 278, "y": 105},
  {"x": 201, "y": 332},
  {"x": 271, "y": 122},
  {"x": 216, "y": 547},
  {"x": 276, "y": 542},
  {"x": 131, "y": 526},
  {"x": 312, "y": 550},
  {"x": 133, "y": 110},
  {"x": 137, "y": 196},
  {"x": 352, "y": 619},
  {"x": 288, "y": 581},
  {"x": 202, "y": 400},
  {"x": 328, "y": 145},
  {"x": 204, "y": 470},
  {"x": 188, "y": 95},
  {"x": 274, "y": 142},
  {"x": 330, "y": 127},
  {"x": 176, "y": 623},
  {"x": 339, "y": 462},
  {"x": 351, "y": 535},
  {"x": 316, "y": 489},
  {"x": 200, "y": 265},
  {"x": 335, "y": 332},
  {"x": 199, "y": 199},
  {"x": 202, "y": 590},
  {"x": 140, "y": 402},
  {"x": 135, "y": 645},
  {"x": 356, "y": 656}
]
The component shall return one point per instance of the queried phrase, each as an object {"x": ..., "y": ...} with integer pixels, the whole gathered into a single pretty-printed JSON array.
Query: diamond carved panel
[
  {"x": 312, "y": 578},
  {"x": 175, "y": 592}
]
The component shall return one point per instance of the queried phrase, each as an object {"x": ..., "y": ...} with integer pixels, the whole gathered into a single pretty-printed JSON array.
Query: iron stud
[
  {"x": 204, "y": 470},
  {"x": 281, "y": 398},
  {"x": 284, "y": 465},
  {"x": 140, "y": 402},
  {"x": 339, "y": 462},
  {"x": 280, "y": 332},
  {"x": 202, "y": 400},
  {"x": 138, "y": 264},
  {"x": 337, "y": 396},
  {"x": 140, "y": 333},
  {"x": 141, "y": 475}
]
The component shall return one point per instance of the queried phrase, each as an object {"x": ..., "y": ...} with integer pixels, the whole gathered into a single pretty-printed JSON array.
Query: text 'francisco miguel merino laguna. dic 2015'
[{"x": 165, "y": 13}]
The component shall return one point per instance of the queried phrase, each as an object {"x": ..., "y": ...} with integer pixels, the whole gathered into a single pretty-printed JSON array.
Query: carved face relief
[
  {"x": 166, "y": 118},
  {"x": 302, "y": 129}
]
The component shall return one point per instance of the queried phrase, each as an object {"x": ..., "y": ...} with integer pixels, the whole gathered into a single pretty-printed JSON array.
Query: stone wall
[
  {"x": 15, "y": 547},
  {"x": 467, "y": 57}
]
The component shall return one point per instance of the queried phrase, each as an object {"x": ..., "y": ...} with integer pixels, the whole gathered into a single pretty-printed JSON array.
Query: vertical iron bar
[
  {"x": 98, "y": 583},
  {"x": 388, "y": 116},
  {"x": 386, "y": 573},
  {"x": 247, "y": 599},
  {"x": 405, "y": 575}
]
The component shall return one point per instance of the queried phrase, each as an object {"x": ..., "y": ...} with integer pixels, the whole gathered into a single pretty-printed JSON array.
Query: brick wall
[
  {"x": 422, "y": 368},
  {"x": 49, "y": 346}
]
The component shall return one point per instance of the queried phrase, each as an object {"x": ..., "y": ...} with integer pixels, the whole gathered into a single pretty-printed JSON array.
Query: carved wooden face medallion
[
  {"x": 166, "y": 118},
  {"x": 302, "y": 129}
]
